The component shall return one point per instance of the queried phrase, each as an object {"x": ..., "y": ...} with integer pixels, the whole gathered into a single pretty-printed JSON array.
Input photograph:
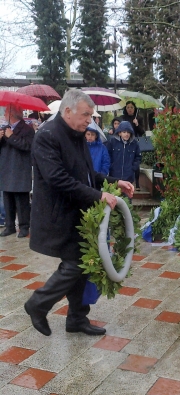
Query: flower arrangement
[
  {"x": 166, "y": 140},
  {"x": 89, "y": 230}
]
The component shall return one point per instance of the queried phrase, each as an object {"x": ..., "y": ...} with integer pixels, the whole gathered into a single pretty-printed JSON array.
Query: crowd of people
[
  {"x": 70, "y": 163},
  {"x": 118, "y": 157}
]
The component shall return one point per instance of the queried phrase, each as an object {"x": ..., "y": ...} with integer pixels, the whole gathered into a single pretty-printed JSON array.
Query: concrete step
[
  {"x": 145, "y": 201},
  {"x": 142, "y": 194},
  {"x": 143, "y": 198}
]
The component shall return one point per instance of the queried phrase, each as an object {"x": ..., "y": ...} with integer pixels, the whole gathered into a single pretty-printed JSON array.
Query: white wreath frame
[{"x": 102, "y": 242}]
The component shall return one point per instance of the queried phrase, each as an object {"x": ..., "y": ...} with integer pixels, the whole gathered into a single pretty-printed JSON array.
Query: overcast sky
[{"x": 27, "y": 56}]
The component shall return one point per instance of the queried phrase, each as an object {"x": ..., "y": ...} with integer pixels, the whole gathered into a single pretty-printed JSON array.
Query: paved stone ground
[{"x": 140, "y": 353}]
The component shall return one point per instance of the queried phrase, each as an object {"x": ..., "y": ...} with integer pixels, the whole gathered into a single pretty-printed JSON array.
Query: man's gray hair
[
  {"x": 16, "y": 111},
  {"x": 71, "y": 99}
]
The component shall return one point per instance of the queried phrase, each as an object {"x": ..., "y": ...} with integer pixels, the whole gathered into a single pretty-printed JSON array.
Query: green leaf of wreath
[{"x": 89, "y": 230}]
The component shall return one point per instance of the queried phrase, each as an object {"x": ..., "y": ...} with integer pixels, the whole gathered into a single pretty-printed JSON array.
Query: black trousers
[
  {"x": 17, "y": 202},
  {"x": 137, "y": 174},
  {"x": 67, "y": 281}
]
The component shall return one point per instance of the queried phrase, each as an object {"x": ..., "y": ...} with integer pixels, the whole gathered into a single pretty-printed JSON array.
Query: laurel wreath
[{"x": 89, "y": 230}]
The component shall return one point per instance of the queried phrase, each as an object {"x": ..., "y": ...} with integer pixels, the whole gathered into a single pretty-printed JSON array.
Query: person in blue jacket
[
  {"x": 124, "y": 152},
  {"x": 98, "y": 151}
]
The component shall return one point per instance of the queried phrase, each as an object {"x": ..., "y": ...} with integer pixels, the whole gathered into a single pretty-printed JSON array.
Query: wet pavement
[{"x": 140, "y": 353}]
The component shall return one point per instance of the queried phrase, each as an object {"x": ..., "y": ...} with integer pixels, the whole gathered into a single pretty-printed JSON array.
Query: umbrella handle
[
  {"x": 137, "y": 112},
  {"x": 102, "y": 242}
]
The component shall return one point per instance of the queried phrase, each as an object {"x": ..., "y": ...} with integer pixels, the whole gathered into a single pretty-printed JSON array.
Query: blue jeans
[{"x": 2, "y": 211}]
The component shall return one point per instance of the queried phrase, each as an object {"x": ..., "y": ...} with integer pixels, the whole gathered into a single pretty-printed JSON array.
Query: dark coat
[
  {"x": 15, "y": 159},
  {"x": 138, "y": 130},
  {"x": 125, "y": 158},
  {"x": 61, "y": 162}
]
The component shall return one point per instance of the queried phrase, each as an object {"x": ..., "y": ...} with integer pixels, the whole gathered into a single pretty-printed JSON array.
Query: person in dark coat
[
  {"x": 97, "y": 149},
  {"x": 124, "y": 152},
  {"x": 64, "y": 183},
  {"x": 130, "y": 114},
  {"x": 16, "y": 171}
]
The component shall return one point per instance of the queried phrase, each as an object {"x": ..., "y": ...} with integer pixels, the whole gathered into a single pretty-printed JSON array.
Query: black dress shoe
[
  {"x": 86, "y": 328},
  {"x": 7, "y": 232},
  {"x": 39, "y": 321},
  {"x": 23, "y": 233}
]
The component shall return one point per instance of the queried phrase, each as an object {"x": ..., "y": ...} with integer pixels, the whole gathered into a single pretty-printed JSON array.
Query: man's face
[{"x": 80, "y": 119}]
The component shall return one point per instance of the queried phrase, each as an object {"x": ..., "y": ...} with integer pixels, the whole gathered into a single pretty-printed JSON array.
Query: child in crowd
[
  {"x": 130, "y": 114},
  {"x": 115, "y": 123},
  {"x": 98, "y": 151},
  {"x": 124, "y": 152}
]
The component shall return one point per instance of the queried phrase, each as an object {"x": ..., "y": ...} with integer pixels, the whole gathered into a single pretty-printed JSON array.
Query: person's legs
[
  {"x": 23, "y": 211},
  {"x": 77, "y": 312},
  {"x": 137, "y": 174},
  {"x": 66, "y": 281},
  {"x": 56, "y": 287},
  {"x": 2, "y": 211},
  {"x": 77, "y": 320},
  {"x": 10, "y": 210}
]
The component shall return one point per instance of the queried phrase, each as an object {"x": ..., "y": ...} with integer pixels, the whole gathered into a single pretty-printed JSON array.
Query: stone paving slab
[{"x": 139, "y": 355}]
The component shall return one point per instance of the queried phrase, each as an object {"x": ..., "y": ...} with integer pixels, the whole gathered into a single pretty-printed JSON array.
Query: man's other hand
[{"x": 126, "y": 187}]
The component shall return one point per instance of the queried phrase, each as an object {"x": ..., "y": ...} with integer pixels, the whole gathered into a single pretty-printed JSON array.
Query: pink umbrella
[
  {"x": 44, "y": 92},
  {"x": 104, "y": 99}
]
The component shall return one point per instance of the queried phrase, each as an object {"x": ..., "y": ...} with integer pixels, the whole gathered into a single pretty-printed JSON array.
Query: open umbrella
[
  {"x": 141, "y": 100},
  {"x": 53, "y": 107},
  {"x": 24, "y": 101},
  {"x": 104, "y": 99},
  {"x": 95, "y": 114},
  {"x": 44, "y": 92}
]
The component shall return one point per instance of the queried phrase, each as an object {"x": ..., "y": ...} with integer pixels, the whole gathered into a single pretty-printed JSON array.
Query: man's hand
[
  {"x": 126, "y": 187},
  {"x": 110, "y": 199},
  {"x": 8, "y": 132}
]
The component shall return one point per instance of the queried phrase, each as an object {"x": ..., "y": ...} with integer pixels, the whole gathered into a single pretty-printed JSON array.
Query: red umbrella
[
  {"x": 24, "y": 101},
  {"x": 105, "y": 99},
  {"x": 44, "y": 92}
]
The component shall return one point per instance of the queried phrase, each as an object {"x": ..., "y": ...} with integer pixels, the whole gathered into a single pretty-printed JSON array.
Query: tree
[
  {"x": 6, "y": 57},
  {"x": 168, "y": 49},
  {"x": 18, "y": 27},
  {"x": 14, "y": 35},
  {"x": 89, "y": 49},
  {"x": 69, "y": 16},
  {"x": 153, "y": 34},
  {"x": 140, "y": 49},
  {"x": 50, "y": 33}
]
